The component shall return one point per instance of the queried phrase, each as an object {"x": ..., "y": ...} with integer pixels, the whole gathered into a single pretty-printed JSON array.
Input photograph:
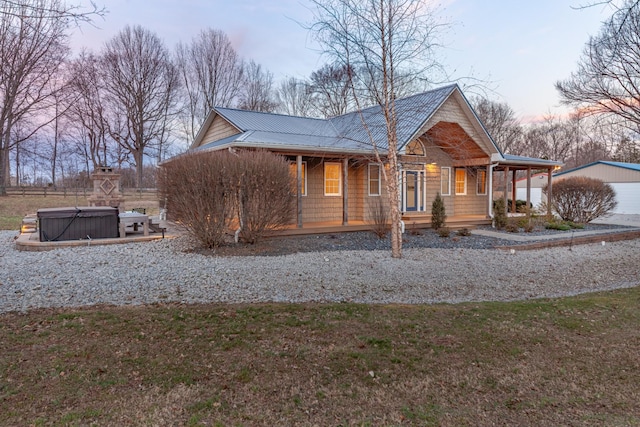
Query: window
[
  {"x": 374, "y": 179},
  {"x": 293, "y": 169},
  {"x": 482, "y": 182},
  {"x": 414, "y": 148},
  {"x": 445, "y": 181},
  {"x": 333, "y": 179},
  {"x": 461, "y": 181}
]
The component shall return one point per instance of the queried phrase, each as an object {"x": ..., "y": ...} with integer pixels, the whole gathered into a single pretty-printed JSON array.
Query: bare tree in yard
[
  {"x": 33, "y": 45},
  {"x": 87, "y": 112},
  {"x": 257, "y": 89},
  {"x": 295, "y": 97},
  {"x": 389, "y": 43},
  {"x": 211, "y": 72},
  {"x": 607, "y": 80},
  {"x": 332, "y": 87},
  {"x": 500, "y": 121},
  {"x": 141, "y": 84}
]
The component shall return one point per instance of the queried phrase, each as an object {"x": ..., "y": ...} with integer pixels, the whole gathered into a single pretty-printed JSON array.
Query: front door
[{"x": 411, "y": 191}]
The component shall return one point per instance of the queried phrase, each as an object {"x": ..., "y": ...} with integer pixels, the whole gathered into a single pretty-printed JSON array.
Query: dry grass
[
  {"x": 570, "y": 361},
  {"x": 14, "y": 208}
]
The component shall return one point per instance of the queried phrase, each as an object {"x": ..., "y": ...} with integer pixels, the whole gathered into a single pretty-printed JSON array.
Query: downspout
[{"x": 490, "y": 192}]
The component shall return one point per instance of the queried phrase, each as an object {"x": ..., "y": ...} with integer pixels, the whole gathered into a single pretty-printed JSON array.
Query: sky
[{"x": 518, "y": 48}]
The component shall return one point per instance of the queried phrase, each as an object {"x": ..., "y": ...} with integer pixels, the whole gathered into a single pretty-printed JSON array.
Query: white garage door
[
  {"x": 628, "y": 197},
  {"x": 536, "y": 195}
]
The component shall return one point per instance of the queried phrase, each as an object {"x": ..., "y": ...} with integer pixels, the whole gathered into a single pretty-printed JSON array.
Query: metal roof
[
  {"x": 631, "y": 166},
  {"x": 352, "y": 132},
  {"x": 523, "y": 160}
]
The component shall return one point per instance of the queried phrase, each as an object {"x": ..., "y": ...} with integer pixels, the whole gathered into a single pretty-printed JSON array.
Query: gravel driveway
[{"x": 160, "y": 271}]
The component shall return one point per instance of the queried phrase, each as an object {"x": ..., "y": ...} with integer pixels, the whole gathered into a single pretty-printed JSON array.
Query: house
[
  {"x": 442, "y": 148},
  {"x": 623, "y": 177}
]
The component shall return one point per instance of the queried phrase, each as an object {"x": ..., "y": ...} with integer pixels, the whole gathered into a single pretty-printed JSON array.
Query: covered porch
[{"x": 509, "y": 169}]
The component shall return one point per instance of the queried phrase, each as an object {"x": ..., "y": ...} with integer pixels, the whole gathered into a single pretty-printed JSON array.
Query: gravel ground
[{"x": 161, "y": 271}]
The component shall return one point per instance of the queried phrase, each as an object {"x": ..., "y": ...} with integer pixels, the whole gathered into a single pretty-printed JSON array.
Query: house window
[
  {"x": 461, "y": 181},
  {"x": 445, "y": 181},
  {"x": 481, "y": 182},
  {"x": 293, "y": 170},
  {"x": 374, "y": 179},
  {"x": 414, "y": 148},
  {"x": 332, "y": 179}
]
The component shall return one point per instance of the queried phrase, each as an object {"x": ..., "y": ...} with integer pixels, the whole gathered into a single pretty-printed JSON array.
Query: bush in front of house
[
  {"x": 265, "y": 193},
  {"x": 213, "y": 193},
  {"x": 438, "y": 213},
  {"x": 499, "y": 214},
  {"x": 582, "y": 199},
  {"x": 379, "y": 215},
  {"x": 196, "y": 188}
]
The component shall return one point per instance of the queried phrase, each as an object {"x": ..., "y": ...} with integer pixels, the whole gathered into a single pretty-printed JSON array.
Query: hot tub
[{"x": 58, "y": 224}]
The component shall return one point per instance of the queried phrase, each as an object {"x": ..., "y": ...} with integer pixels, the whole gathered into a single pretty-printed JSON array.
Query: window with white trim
[
  {"x": 461, "y": 181},
  {"x": 445, "y": 181},
  {"x": 374, "y": 179},
  {"x": 293, "y": 170},
  {"x": 481, "y": 187},
  {"x": 332, "y": 179}
]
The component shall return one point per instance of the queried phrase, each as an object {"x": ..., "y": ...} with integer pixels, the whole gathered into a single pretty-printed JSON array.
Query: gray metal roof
[
  {"x": 352, "y": 132},
  {"x": 532, "y": 161}
]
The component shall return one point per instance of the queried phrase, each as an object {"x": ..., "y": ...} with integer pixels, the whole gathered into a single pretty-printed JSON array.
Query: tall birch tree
[{"x": 390, "y": 43}]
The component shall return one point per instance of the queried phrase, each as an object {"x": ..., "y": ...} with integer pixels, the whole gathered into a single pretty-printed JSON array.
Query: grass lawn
[{"x": 571, "y": 361}]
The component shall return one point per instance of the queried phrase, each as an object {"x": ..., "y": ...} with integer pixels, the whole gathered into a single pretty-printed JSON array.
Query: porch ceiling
[{"x": 454, "y": 141}]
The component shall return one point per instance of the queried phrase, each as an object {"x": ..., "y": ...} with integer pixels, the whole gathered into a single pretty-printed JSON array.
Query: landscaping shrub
[
  {"x": 212, "y": 193},
  {"x": 438, "y": 213},
  {"x": 512, "y": 226},
  {"x": 196, "y": 188},
  {"x": 379, "y": 214},
  {"x": 499, "y": 214},
  {"x": 582, "y": 199},
  {"x": 465, "y": 232},
  {"x": 444, "y": 232},
  {"x": 265, "y": 193}
]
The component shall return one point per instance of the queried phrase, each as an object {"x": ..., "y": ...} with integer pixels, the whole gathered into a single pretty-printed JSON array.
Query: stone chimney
[{"x": 106, "y": 189}]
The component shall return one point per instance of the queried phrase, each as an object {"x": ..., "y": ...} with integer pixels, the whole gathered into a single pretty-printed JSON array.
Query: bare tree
[
  {"x": 500, "y": 121},
  {"x": 211, "y": 72},
  {"x": 257, "y": 91},
  {"x": 87, "y": 112},
  {"x": 332, "y": 86},
  {"x": 33, "y": 45},
  {"x": 390, "y": 43},
  {"x": 141, "y": 84},
  {"x": 608, "y": 77},
  {"x": 295, "y": 97},
  {"x": 54, "y": 10}
]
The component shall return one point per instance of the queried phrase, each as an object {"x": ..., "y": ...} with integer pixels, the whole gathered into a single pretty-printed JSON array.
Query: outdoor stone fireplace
[{"x": 106, "y": 189}]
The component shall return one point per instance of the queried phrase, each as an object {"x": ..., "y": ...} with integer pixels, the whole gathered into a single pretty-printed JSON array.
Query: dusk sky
[{"x": 520, "y": 47}]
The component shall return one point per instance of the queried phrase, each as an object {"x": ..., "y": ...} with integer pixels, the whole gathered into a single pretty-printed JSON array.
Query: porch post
[
  {"x": 528, "y": 187},
  {"x": 549, "y": 191},
  {"x": 505, "y": 193},
  {"x": 299, "y": 189},
  {"x": 345, "y": 191},
  {"x": 513, "y": 191}
]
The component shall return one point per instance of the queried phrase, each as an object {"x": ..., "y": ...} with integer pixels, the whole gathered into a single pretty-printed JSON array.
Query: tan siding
[
  {"x": 219, "y": 129},
  {"x": 605, "y": 173}
]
